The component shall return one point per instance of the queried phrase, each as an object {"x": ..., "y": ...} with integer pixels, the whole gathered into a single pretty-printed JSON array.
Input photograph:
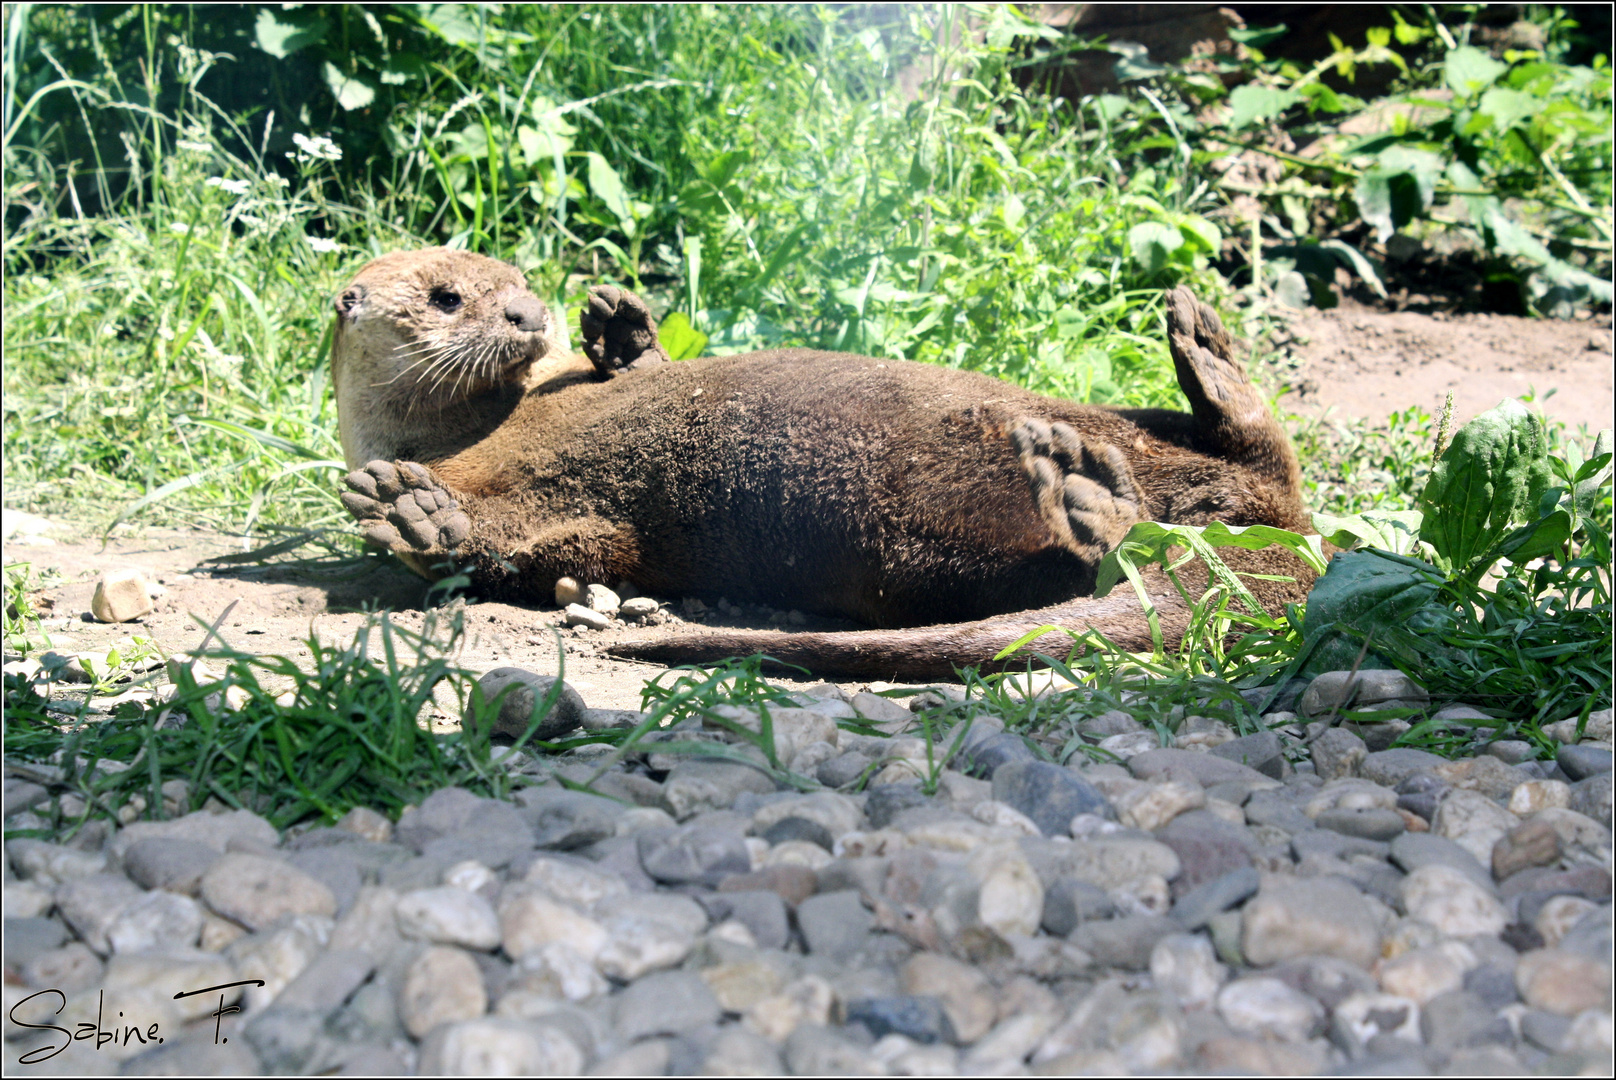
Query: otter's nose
[{"x": 526, "y": 313}]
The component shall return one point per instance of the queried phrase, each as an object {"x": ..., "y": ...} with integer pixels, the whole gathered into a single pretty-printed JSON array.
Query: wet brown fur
[{"x": 881, "y": 491}]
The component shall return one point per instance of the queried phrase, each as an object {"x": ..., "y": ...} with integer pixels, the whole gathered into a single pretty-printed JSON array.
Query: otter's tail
[{"x": 927, "y": 652}]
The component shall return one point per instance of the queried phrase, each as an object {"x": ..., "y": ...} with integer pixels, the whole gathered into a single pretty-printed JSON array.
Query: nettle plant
[{"x": 1495, "y": 590}]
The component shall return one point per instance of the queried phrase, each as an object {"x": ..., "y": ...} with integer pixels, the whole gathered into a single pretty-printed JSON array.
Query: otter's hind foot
[
  {"x": 618, "y": 331},
  {"x": 402, "y": 507},
  {"x": 1084, "y": 488}
]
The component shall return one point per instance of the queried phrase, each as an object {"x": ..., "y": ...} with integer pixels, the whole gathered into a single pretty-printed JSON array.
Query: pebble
[
  {"x": 121, "y": 595},
  {"x": 1368, "y": 687},
  {"x": 586, "y": 617},
  {"x": 665, "y": 1003},
  {"x": 448, "y": 916},
  {"x": 1186, "y": 966},
  {"x": 256, "y": 891},
  {"x": 1299, "y": 917},
  {"x": 1452, "y": 901},
  {"x": 524, "y": 692},
  {"x": 1268, "y": 1008},
  {"x": 834, "y": 924},
  {"x": 1564, "y": 983},
  {"x": 1047, "y": 794},
  {"x": 1582, "y": 761}
]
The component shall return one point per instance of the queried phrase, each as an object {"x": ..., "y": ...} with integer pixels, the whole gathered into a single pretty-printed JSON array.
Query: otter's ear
[{"x": 347, "y": 303}]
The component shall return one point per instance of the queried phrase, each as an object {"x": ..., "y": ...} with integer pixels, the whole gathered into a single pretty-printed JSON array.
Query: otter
[{"x": 899, "y": 495}]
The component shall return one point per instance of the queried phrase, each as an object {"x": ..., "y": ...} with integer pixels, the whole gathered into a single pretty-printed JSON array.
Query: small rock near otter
[
  {"x": 121, "y": 595},
  {"x": 568, "y": 592},
  {"x": 578, "y": 615},
  {"x": 528, "y": 691},
  {"x": 600, "y": 598},
  {"x": 638, "y": 607}
]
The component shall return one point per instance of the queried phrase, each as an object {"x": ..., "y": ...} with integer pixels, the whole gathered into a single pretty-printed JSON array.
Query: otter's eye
[{"x": 445, "y": 300}]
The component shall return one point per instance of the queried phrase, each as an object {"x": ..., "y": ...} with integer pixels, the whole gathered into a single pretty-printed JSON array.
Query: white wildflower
[
  {"x": 234, "y": 187},
  {"x": 178, "y": 228},
  {"x": 321, "y": 244},
  {"x": 251, "y": 220},
  {"x": 194, "y": 146},
  {"x": 317, "y": 147}
]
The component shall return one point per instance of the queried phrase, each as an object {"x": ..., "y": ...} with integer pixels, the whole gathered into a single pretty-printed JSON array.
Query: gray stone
[
  {"x": 886, "y": 802},
  {"x": 882, "y": 711},
  {"x": 1297, "y": 917},
  {"x": 443, "y": 812},
  {"x": 797, "y": 828},
  {"x": 1124, "y": 942},
  {"x": 30, "y": 937},
  {"x": 497, "y": 1046},
  {"x": 257, "y": 891},
  {"x": 196, "y": 1056},
  {"x": 1337, "y": 753},
  {"x": 174, "y": 865},
  {"x": 843, "y": 769},
  {"x": 497, "y": 845},
  {"x": 524, "y": 692},
  {"x": 815, "y": 1050},
  {"x": 290, "y": 1041},
  {"x": 835, "y": 924},
  {"x": 1278, "y": 809},
  {"x": 697, "y": 784},
  {"x": 693, "y": 854},
  {"x": 914, "y": 1016},
  {"x": 20, "y": 795},
  {"x": 568, "y": 819},
  {"x": 91, "y": 905},
  {"x": 761, "y": 911},
  {"x": 1370, "y": 823},
  {"x": 1582, "y": 761},
  {"x": 1070, "y": 901},
  {"x": 1512, "y": 751},
  {"x": 157, "y": 922},
  {"x": 1195, "y": 908},
  {"x": 336, "y": 867},
  {"x": 665, "y": 1003},
  {"x": 326, "y": 984},
  {"x": 738, "y": 1052},
  {"x": 1592, "y": 797},
  {"x": 1494, "y": 984},
  {"x": 1262, "y": 751},
  {"x": 1461, "y": 1018},
  {"x": 1208, "y": 847},
  {"x": 1389, "y": 768},
  {"x": 1369, "y": 686},
  {"x": 1169, "y": 763},
  {"x": 984, "y": 757},
  {"x": 1048, "y": 794},
  {"x": 1544, "y": 1029}
]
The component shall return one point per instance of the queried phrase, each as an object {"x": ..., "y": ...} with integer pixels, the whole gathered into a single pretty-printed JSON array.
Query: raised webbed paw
[
  {"x": 402, "y": 507},
  {"x": 1084, "y": 487},
  {"x": 618, "y": 331}
]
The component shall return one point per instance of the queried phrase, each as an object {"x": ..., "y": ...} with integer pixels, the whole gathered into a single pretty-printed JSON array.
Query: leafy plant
[{"x": 1517, "y": 153}]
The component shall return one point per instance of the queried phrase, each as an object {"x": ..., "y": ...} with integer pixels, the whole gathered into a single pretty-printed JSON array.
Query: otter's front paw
[
  {"x": 1084, "y": 487},
  {"x": 618, "y": 331},
  {"x": 401, "y": 507}
]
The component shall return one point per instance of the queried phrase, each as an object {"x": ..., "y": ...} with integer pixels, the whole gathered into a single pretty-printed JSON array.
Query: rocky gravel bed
[{"x": 1298, "y": 901}]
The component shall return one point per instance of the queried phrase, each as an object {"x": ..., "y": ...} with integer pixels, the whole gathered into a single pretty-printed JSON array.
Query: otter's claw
[
  {"x": 1084, "y": 488},
  {"x": 618, "y": 331},
  {"x": 401, "y": 507}
]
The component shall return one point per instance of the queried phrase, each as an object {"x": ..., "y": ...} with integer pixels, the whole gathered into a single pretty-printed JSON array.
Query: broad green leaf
[
  {"x": 681, "y": 340},
  {"x": 1149, "y": 541},
  {"x": 1153, "y": 244},
  {"x": 452, "y": 22},
  {"x": 1201, "y": 232},
  {"x": 283, "y": 33},
  {"x": 1390, "y": 530},
  {"x": 1366, "y": 591},
  {"x": 1259, "y": 36},
  {"x": 603, "y": 181},
  {"x": 1013, "y": 210},
  {"x": 1355, "y": 261},
  {"x": 1469, "y": 71},
  {"x": 1507, "y": 107},
  {"x": 1252, "y": 103},
  {"x": 1291, "y": 290},
  {"x": 351, "y": 92},
  {"x": 1398, "y": 189},
  {"x": 1490, "y": 478},
  {"x": 1545, "y": 536}
]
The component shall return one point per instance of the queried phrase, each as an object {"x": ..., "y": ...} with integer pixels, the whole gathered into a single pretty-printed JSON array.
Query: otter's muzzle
[{"x": 527, "y": 313}]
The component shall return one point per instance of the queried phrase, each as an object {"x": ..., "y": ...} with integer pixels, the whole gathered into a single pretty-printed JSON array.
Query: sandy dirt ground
[
  {"x": 1362, "y": 364},
  {"x": 1353, "y": 361}
]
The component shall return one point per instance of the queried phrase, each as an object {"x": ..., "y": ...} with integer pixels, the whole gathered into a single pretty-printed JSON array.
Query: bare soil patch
[{"x": 1359, "y": 363}]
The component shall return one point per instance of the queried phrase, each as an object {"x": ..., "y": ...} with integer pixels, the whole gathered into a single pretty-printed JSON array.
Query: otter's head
[{"x": 420, "y": 332}]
